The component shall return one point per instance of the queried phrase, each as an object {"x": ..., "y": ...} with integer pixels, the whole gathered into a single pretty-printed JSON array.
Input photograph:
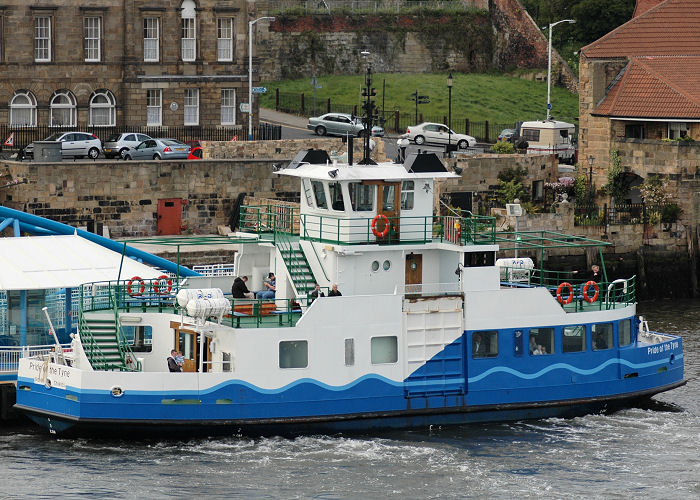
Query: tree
[
  {"x": 595, "y": 18},
  {"x": 618, "y": 187}
]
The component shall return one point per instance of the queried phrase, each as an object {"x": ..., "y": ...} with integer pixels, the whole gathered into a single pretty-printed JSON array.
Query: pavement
[{"x": 285, "y": 119}]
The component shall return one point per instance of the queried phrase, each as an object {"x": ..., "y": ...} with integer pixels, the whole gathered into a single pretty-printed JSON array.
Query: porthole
[
  {"x": 387, "y": 265},
  {"x": 375, "y": 266}
]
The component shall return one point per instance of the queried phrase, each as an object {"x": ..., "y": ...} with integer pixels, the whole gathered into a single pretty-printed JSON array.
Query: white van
[{"x": 550, "y": 136}]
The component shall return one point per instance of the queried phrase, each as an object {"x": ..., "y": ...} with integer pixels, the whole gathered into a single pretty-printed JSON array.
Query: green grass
[{"x": 477, "y": 96}]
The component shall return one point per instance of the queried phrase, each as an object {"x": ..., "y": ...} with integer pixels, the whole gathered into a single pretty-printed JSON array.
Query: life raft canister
[
  {"x": 377, "y": 218},
  {"x": 570, "y": 292}
]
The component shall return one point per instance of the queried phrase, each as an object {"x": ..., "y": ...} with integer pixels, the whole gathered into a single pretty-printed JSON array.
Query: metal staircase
[{"x": 298, "y": 267}]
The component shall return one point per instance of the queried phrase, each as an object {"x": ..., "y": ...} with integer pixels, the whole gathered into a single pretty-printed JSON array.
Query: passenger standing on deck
[
  {"x": 239, "y": 290},
  {"x": 172, "y": 364},
  {"x": 316, "y": 293},
  {"x": 334, "y": 291},
  {"x": 595, "y": 274}
]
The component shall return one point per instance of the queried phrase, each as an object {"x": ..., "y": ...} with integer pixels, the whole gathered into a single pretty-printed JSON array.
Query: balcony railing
[{"x": 10, "y": 356}]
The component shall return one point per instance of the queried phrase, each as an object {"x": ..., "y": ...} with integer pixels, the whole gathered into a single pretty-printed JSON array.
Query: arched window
[
  {"x": 23, "y": 109},
  {"x": 103, "y": 110},
  {"x": 63, "y": 109},
  {"x": 189, "y": 30}
]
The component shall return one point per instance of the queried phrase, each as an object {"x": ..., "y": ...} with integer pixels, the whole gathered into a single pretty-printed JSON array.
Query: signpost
[
  {"x": 244, "y": 107},
  {"x": 259, "y": 90},
  {"x": 419, "y": 99}
]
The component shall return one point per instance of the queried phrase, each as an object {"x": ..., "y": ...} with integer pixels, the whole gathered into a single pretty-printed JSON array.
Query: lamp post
[
  {"x": 449, "y": 112},
  {"x": 549, "y": 62},
  {"x": 590, "y": 159},
  {"x": 250, "y": 73}
]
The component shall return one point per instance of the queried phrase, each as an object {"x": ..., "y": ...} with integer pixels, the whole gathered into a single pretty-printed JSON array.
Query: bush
[
  {"x": 670, "y": 213},
  {"x": 503, "y": 148}
]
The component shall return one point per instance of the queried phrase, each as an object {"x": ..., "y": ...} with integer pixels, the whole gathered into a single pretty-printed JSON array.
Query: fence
[
  {"x": 589, "y": 214},
  {"x": 264, "y": 132},
  {"x": 331, "y": 7}
]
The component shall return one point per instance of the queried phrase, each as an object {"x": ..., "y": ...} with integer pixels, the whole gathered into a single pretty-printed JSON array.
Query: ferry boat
[{"x": 430, "y": 329}]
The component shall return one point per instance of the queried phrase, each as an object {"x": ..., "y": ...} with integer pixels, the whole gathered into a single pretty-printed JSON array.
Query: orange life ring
[
  {"x": 570, "y": 296},
  {"x": 142, "y": 287},
  {"x": 586, "y": 297},
  {"x": 380, "y": 217},
  {"x": 156, "y": 285}
]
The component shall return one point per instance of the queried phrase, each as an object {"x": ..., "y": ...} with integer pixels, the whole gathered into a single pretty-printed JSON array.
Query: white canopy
[{"x": 41, "y": 262}]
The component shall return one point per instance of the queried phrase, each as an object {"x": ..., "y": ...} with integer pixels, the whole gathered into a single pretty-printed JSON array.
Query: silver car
[
  {"x": 119, "y": 144},
  {"x": 159, "y": 149},
  {"x": 341, "y": 124},
  {"x": 75, "y": 144},
  {"x": 437, "y": 133}
]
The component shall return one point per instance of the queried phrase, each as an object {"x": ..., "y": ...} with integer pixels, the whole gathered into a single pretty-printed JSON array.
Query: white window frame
[
  {"x": 92, "y": 27},
  {"x": 154, "y": 107},
  {"x": 63, "y": 100},
  {"x": 675, "y": 129},
  {"x": 42, "y": 39},
  {"x": 189, "y": 39},
  {"x": 95, "y": 106},
  {"x": 191, "y": 111},
  {"x": 224, "y": 45},
  {"x": 228, "y": 106},
  {"x": 30, "y": 105},
  {"x": 151, "y": 39}
]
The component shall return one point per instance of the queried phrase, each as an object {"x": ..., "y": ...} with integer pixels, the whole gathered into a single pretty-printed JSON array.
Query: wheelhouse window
[
  {"x": 361, "y": 197},
  {"x": 225, "y": 39},
  {"x": 228, "y": 106},
  {"x": 294, "y": 354},
  {"x": 407, "y": 192},
  {"x": 529, "y": 134},
  {"x": 388, "y": 197},
  {"x": 191, "y": 106},
  {"x": 541, "y": 341},
  {"x": 384, "y": 350},
  {"x": 624, "y": 332},
  {"x": 42, "y": 39},
  {"x": 103, "y": 110},
  {"x": 307, "y": 192},
  {"x": 189, "y": 31},
  {"x": 92, "y": 28},
  {"x": 319, "y": 194},
  {"x": 154, "y": 106},
  {"x": 336, "y": 190},
  {"x": 63, "y": 109},
  {"x": 485, "y": 344},
  {"x": 602, "y": 336},
  {"x": 151, "y": 39},
  {"x": 574, "y": 338},
  {"x": 23, "y": 109}
]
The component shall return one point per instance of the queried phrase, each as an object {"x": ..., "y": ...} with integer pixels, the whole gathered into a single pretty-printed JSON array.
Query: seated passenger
[
  {"x": 239, "y": 290},
  {"x": 533, "y": 344},
  {"x": 599, "y": 342},
  {"x": 270, "y": 288},
  {"x": 478, "y": 347}
]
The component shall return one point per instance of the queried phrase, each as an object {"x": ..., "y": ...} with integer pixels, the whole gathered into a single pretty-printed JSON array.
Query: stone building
[{"x": 139, "y": 63}]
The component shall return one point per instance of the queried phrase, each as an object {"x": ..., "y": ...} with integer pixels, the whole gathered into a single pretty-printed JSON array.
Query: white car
[
  {"x": 77, "y": 144},
  {"x": 437, "y": 133}
]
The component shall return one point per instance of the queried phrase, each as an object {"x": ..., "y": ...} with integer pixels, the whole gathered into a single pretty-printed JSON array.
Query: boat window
[
  {"x": 139, "y": 337},
  {"x": 479, "y": 259},
  {"x": 226, "y": 361},
  {"x": 574, "y": 338},
  {"x": 307, "y": 192},
  {"x": 337, "y": 196},
  {"x": 624, "y": 329},
  {"x": 388, "y": 197},
  {"x": 485, "y": 345},
  {"x": 602, "y": 336},
  {"x": 407, "y": 188},
  {"x": 294, "y": 354},
  {"x": 541, "y": 341},
  {"x": 349, "y": 352},
  {"x": 530, "y": 135},
  {"x": 319, "y": 194},
  {"x": 375, "y": 266},
  {"x": 361, "y": 197},
  {"x": 386, "y": 265},
  {"x": 384, "y": 350}
]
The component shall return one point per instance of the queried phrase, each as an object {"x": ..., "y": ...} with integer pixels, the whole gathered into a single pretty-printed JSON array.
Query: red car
[{"x": 195, "y": 149}]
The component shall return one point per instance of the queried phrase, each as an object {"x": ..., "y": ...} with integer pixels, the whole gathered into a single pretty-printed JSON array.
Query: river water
[{"x": 652, "y": 452}]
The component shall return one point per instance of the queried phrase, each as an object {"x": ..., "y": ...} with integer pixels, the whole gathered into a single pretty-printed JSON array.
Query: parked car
[
  {"x": 509, "y": 135},
  {"x": 437, "y": 133},
  {"x": 341, "y": 124},
  {"x": 75, "y": 144},
  {"x": 159, "y": 149},
  {"x": 195, "y": 153},
  {"x": 119, "y": 144}
]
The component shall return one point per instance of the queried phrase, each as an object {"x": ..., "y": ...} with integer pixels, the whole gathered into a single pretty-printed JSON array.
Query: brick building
[{"x": 65, "y": 63}]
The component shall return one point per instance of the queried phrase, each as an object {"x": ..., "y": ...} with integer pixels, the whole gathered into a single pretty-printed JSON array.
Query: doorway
[
  {"x": 414, "y": 272},
  {"x": 389, "y": 205},
  {"x": 186, "y": 341},
  {"x": 169, "y": 216}
]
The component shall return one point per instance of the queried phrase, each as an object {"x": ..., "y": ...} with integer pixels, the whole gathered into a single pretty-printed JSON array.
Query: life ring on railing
[
  {"x": 156, "y": 285},
  {"x": 142, "y": 286},
  {"x": 570, "y": 295},
  {"x": 587, "y": 297},
  {"x": 377, "y": 218}
]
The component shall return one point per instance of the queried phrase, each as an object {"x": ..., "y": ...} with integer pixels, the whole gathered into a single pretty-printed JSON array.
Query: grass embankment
[{"x": 477, "y": 96}]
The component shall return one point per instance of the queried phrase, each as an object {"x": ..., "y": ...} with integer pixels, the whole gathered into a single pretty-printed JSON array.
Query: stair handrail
[
  {"x": 90, "y": 345},
  {"x": 306, "y": 236},
  {"x": 125, "y": 351}
]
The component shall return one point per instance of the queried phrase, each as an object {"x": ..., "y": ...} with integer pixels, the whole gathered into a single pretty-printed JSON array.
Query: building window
[
  {"x": 228, "y": 106},
  {"x": 574, "y": 339},
  {"x": 541, "y": 341},
  {"x": 384, "y": 350},
  {"x": 154, "y": 106},
  {"x": 2, "y": 37},
  {"x": 151, "y": 35},
  {"x": 189, "y": 31},
  {"x": 92, "y": 39},
  {"x": 407, "y": 188},
  {"x": 294, "y": 354},
  {"x": 191, "y": 106},
  {"x": 225, "y": 39},
  {"x": 677, "y": 130},
  {"x": 42, "y": 39},
  {"x": 485, "y": 345},
  {"x": 602, "y": 336},
  {"x": 103, "y": 110},
  {"x": 23, "y": 109},
  {"x": 63, "y": 109}
]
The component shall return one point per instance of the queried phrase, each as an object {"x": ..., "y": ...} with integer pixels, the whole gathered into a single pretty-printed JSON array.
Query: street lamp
[
  {"x": 590, "y": 159},
  {"x": 250, "y": 73},
  {"x": 449, "y": 112},
  {"x": 549, "y": 62}
]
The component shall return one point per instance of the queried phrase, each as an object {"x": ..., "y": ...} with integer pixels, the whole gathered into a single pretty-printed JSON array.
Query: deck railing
[{"x": 10, "y": 355}]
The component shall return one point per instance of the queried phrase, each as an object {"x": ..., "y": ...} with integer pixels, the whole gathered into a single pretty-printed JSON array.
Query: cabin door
[
  {"x": 187, "y": 342},
  {"x": 414, "y": 272},
  {"x": 389, "y": 205}
]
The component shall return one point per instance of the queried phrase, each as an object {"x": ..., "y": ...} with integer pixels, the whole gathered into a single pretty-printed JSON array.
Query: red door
[{"x": 169, "y": 216}]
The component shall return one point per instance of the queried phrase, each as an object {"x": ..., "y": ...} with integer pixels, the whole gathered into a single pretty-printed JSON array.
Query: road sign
[
  {"x": 259, "y": 90},
  {"x": 423, "y": 97},
  {"x": 423, "y": 101},
  {"x": 244, "y": 107}
]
